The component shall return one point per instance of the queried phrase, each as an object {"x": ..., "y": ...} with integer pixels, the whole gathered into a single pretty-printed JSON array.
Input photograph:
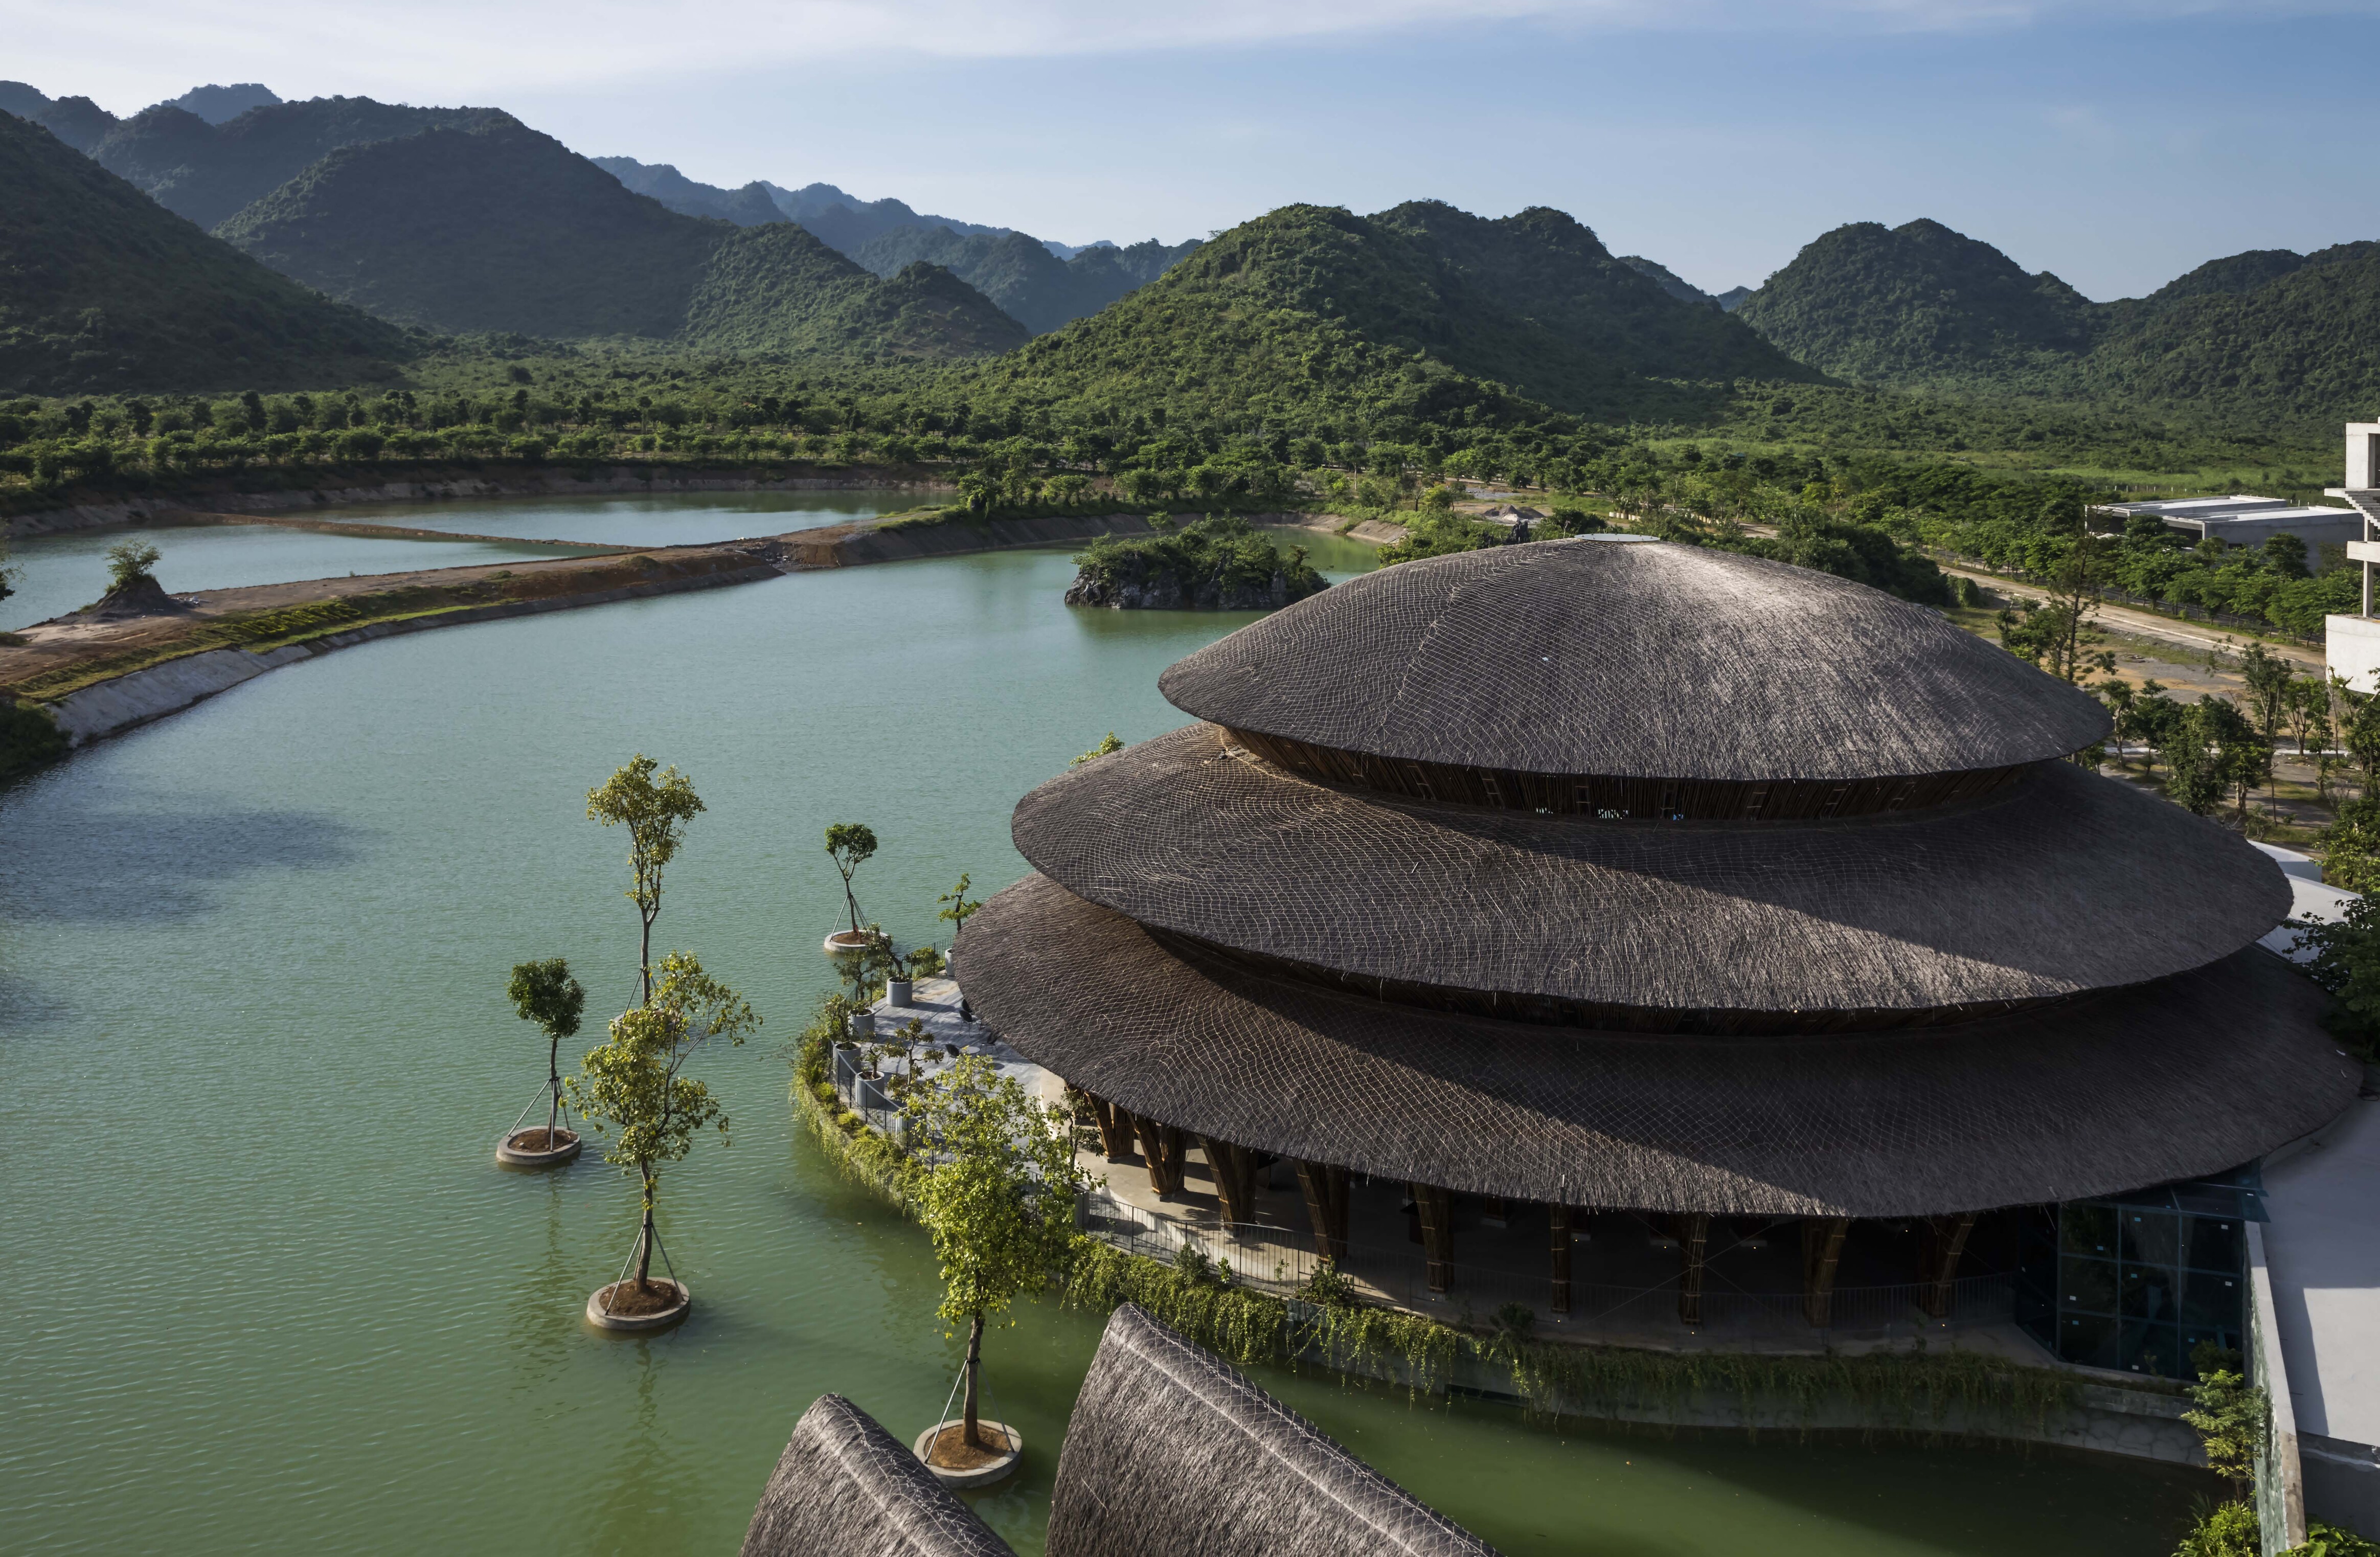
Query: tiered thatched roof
[
  {"x": 1173, "y": 1454},
  {"x": 2058, "y": 883},
  {"x": 1653, "y": 661},
  {"x": 844, "y": 1486},
  {"x": 1847, "y": 940}
]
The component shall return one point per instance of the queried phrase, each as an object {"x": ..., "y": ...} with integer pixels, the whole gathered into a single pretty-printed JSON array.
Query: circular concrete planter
[
  {"x": 513, "y": 1156},
  {"x": 898, "y": 991},
  {"x": 843, "y": 943},
  {"x": 661, "y": 1321},
  {"x": 860, "y": 1025},
  {"x": 984, "y": 1475}
]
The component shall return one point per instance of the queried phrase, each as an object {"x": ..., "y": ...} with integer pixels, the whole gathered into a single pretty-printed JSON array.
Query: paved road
[{"x": 2147, "y": 623}]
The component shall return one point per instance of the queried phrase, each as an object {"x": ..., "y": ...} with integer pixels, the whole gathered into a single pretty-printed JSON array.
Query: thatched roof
[
  {"x": 1649, "y": 660},
  {"x": 1171, "y": 1452},
  {"x": 2061, "y": 882},
  {"x": 2172, "y": 1079},
  {"x": 844, "y": 1486}
]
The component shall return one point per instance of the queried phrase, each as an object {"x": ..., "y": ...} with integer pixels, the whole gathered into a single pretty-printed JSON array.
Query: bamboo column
[
  {"x": 1115, "y": 1128},
  {"x": 1234, "y": 1170},
  {"x": 1326, "y": 1207},
  {"x": 1161, "y": 1145},
  {"x": 1437, "y": 1234},
  {"x": 1822, "y": 1249},
  {"x": 1693, "y": 1239},
  {"x": 1558, "y": 1220},
  {"x": 1946, "y": 1240}
]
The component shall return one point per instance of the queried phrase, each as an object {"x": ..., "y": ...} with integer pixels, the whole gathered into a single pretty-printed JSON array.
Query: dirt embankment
[
  {"x": 101, "y": 673},
  {"x": 233, "y": 497}
]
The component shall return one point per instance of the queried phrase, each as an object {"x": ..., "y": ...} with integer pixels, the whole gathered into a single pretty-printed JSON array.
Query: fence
[
  {"x": 864, "y": 1097},
  {"x": 1278, "y": 1262}
]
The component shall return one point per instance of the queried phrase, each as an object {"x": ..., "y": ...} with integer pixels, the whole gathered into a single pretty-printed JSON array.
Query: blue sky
[{"x": 2116, "y": 143}]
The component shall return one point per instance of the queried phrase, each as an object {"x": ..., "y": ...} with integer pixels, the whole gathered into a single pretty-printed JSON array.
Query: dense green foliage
[
  {"x": 775, "y": 288},
  {"x": 105, "y": 290},
  {"x": 1017, "y": 272},
  {"x": 29, "y": 738},
  {"x": 1917, "y": 304},
  {"x": 208, "y": 172},
  {"x": 2254, "y": 337},
  {"x": 1218, "y": 562}
]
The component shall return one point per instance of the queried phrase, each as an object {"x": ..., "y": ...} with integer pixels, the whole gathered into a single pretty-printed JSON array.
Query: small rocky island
[{"x": 1219, "y": 562}]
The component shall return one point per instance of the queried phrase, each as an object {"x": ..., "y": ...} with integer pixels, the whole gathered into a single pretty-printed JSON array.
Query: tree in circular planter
[
  {"x": 632, "y": 1086},
  {"x": 655, "y": 812},
  {"x": 851, "y": 845},
  {"x": 995, "y": 1188},
  {"x": 544, "y": 992}
]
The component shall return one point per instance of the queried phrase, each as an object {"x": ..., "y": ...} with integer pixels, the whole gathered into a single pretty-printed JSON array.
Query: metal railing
[
  {"x": 865, "y": 1097},
  {"x": 1278, "y": 1262}
]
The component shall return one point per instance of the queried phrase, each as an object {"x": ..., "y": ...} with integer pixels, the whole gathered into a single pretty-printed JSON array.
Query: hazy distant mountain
[
  {"x": 105, "y": 290},
  {"x": 209, "y": 172},
  {"x": 216, "y": 104},
  {"x": 493, "y": 226},
  {"x": 844, "y": 222},
  {"x": 1732, "y": 298},
  {"x": 747, "y": 207},
  {"x": 1021, "y": 273},
  {"x": 78, "y": 121}
]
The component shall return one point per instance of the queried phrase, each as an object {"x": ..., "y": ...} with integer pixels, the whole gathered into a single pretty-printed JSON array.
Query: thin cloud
[{"x": 129, "y": 53}]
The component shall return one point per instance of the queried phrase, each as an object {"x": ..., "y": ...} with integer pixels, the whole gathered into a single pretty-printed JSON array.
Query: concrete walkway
[{"x": 2323, "y": 1246}]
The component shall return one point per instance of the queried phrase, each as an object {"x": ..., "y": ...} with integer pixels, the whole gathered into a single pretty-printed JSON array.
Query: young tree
[
  {"x": 632, "y": 1084},
  {"x": 1107, "y": 745},
  {"x": 544, "y": 992},
  {"x": 957, "y": 908},
  {"x": 655, "y": 813},
  {"x": 129, "y": 561},
  {"x": 2195, "y": 777},
  {"x": 997, "y": 1197},
  {"x": 2268, "y": 677},
  {"x": 850, "y": 844}
]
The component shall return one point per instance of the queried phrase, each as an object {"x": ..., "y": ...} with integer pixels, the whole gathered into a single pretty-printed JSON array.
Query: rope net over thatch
[
  {"x": 844, "y": 1486},
  {"x": 2062, "y": 883},
  {"x": 2171, "y": 1079},
  {"x": 1172, "y": 1453},
  {"x": 1634, "y": 662}
]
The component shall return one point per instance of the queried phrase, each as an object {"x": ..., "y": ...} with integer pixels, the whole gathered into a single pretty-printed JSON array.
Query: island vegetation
[{"x": 1219, "y": 562}]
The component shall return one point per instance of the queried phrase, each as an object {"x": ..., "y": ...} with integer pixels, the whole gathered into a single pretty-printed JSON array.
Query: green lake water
[{"x": 275, "y": 1294}]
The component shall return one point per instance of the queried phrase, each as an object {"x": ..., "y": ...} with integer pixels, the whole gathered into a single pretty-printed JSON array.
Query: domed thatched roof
[
  {"x": 1641, "y": 661},
  {"x": 2173, "y": 1079},
  {"x": 1172, "y": 1453},
  {"x": 2062, "y": 883}
]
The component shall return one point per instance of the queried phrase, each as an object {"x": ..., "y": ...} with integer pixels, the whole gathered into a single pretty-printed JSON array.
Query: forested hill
[
  {"x": 78, "y": 121},
  {"x": 494, "y": 226},
  {"x": 2255, "y": 337},
  {"x": 209, "y": 172},
  {"x": 1019, "y": 272},
  {"x": 1311, "y": 316},
  {"x": 1381, "y": 308},
  {"x": 106, "y": 290},
  {"x": 1920, "y": 305}
]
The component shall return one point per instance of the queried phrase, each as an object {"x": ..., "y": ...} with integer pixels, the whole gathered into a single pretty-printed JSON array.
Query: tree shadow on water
[{"x": 127, "y": 867}]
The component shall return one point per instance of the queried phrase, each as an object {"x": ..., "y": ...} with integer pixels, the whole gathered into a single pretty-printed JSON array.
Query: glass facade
[{"x": 2133, "y": 1282}]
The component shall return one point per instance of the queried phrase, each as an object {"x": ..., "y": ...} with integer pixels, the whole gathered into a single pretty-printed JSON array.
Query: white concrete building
[
  {"x": 2351, "y": 644},
  {"x": 2242, "y": 519}
]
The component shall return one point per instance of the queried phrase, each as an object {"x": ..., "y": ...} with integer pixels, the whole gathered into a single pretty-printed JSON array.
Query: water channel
[{"x": 274, "y": 1294}]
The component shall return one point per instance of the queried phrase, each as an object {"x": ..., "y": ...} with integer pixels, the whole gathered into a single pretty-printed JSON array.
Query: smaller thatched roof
[
  {"x": 1171, "y": 1452},
  {"x": 844, "y": 1486},
  {"x": 1643, "y": 661}
]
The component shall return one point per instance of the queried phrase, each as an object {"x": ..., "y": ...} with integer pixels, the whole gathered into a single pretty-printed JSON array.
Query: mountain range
[
  {"x": 2267, "y": 333},
  {"x": 463, "y": 220},
  {"x": 490, "y": 226},
  {"x": 104, "y": 290}
]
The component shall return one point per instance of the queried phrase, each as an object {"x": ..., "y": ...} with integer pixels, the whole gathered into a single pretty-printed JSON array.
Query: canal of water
[{"x": 274, "y": 1294}]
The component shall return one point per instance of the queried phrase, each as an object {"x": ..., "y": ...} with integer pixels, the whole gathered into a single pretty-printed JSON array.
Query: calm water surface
[
  {"x": 665, "y": 520},
  {"x": 277, "y": 1295}
]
